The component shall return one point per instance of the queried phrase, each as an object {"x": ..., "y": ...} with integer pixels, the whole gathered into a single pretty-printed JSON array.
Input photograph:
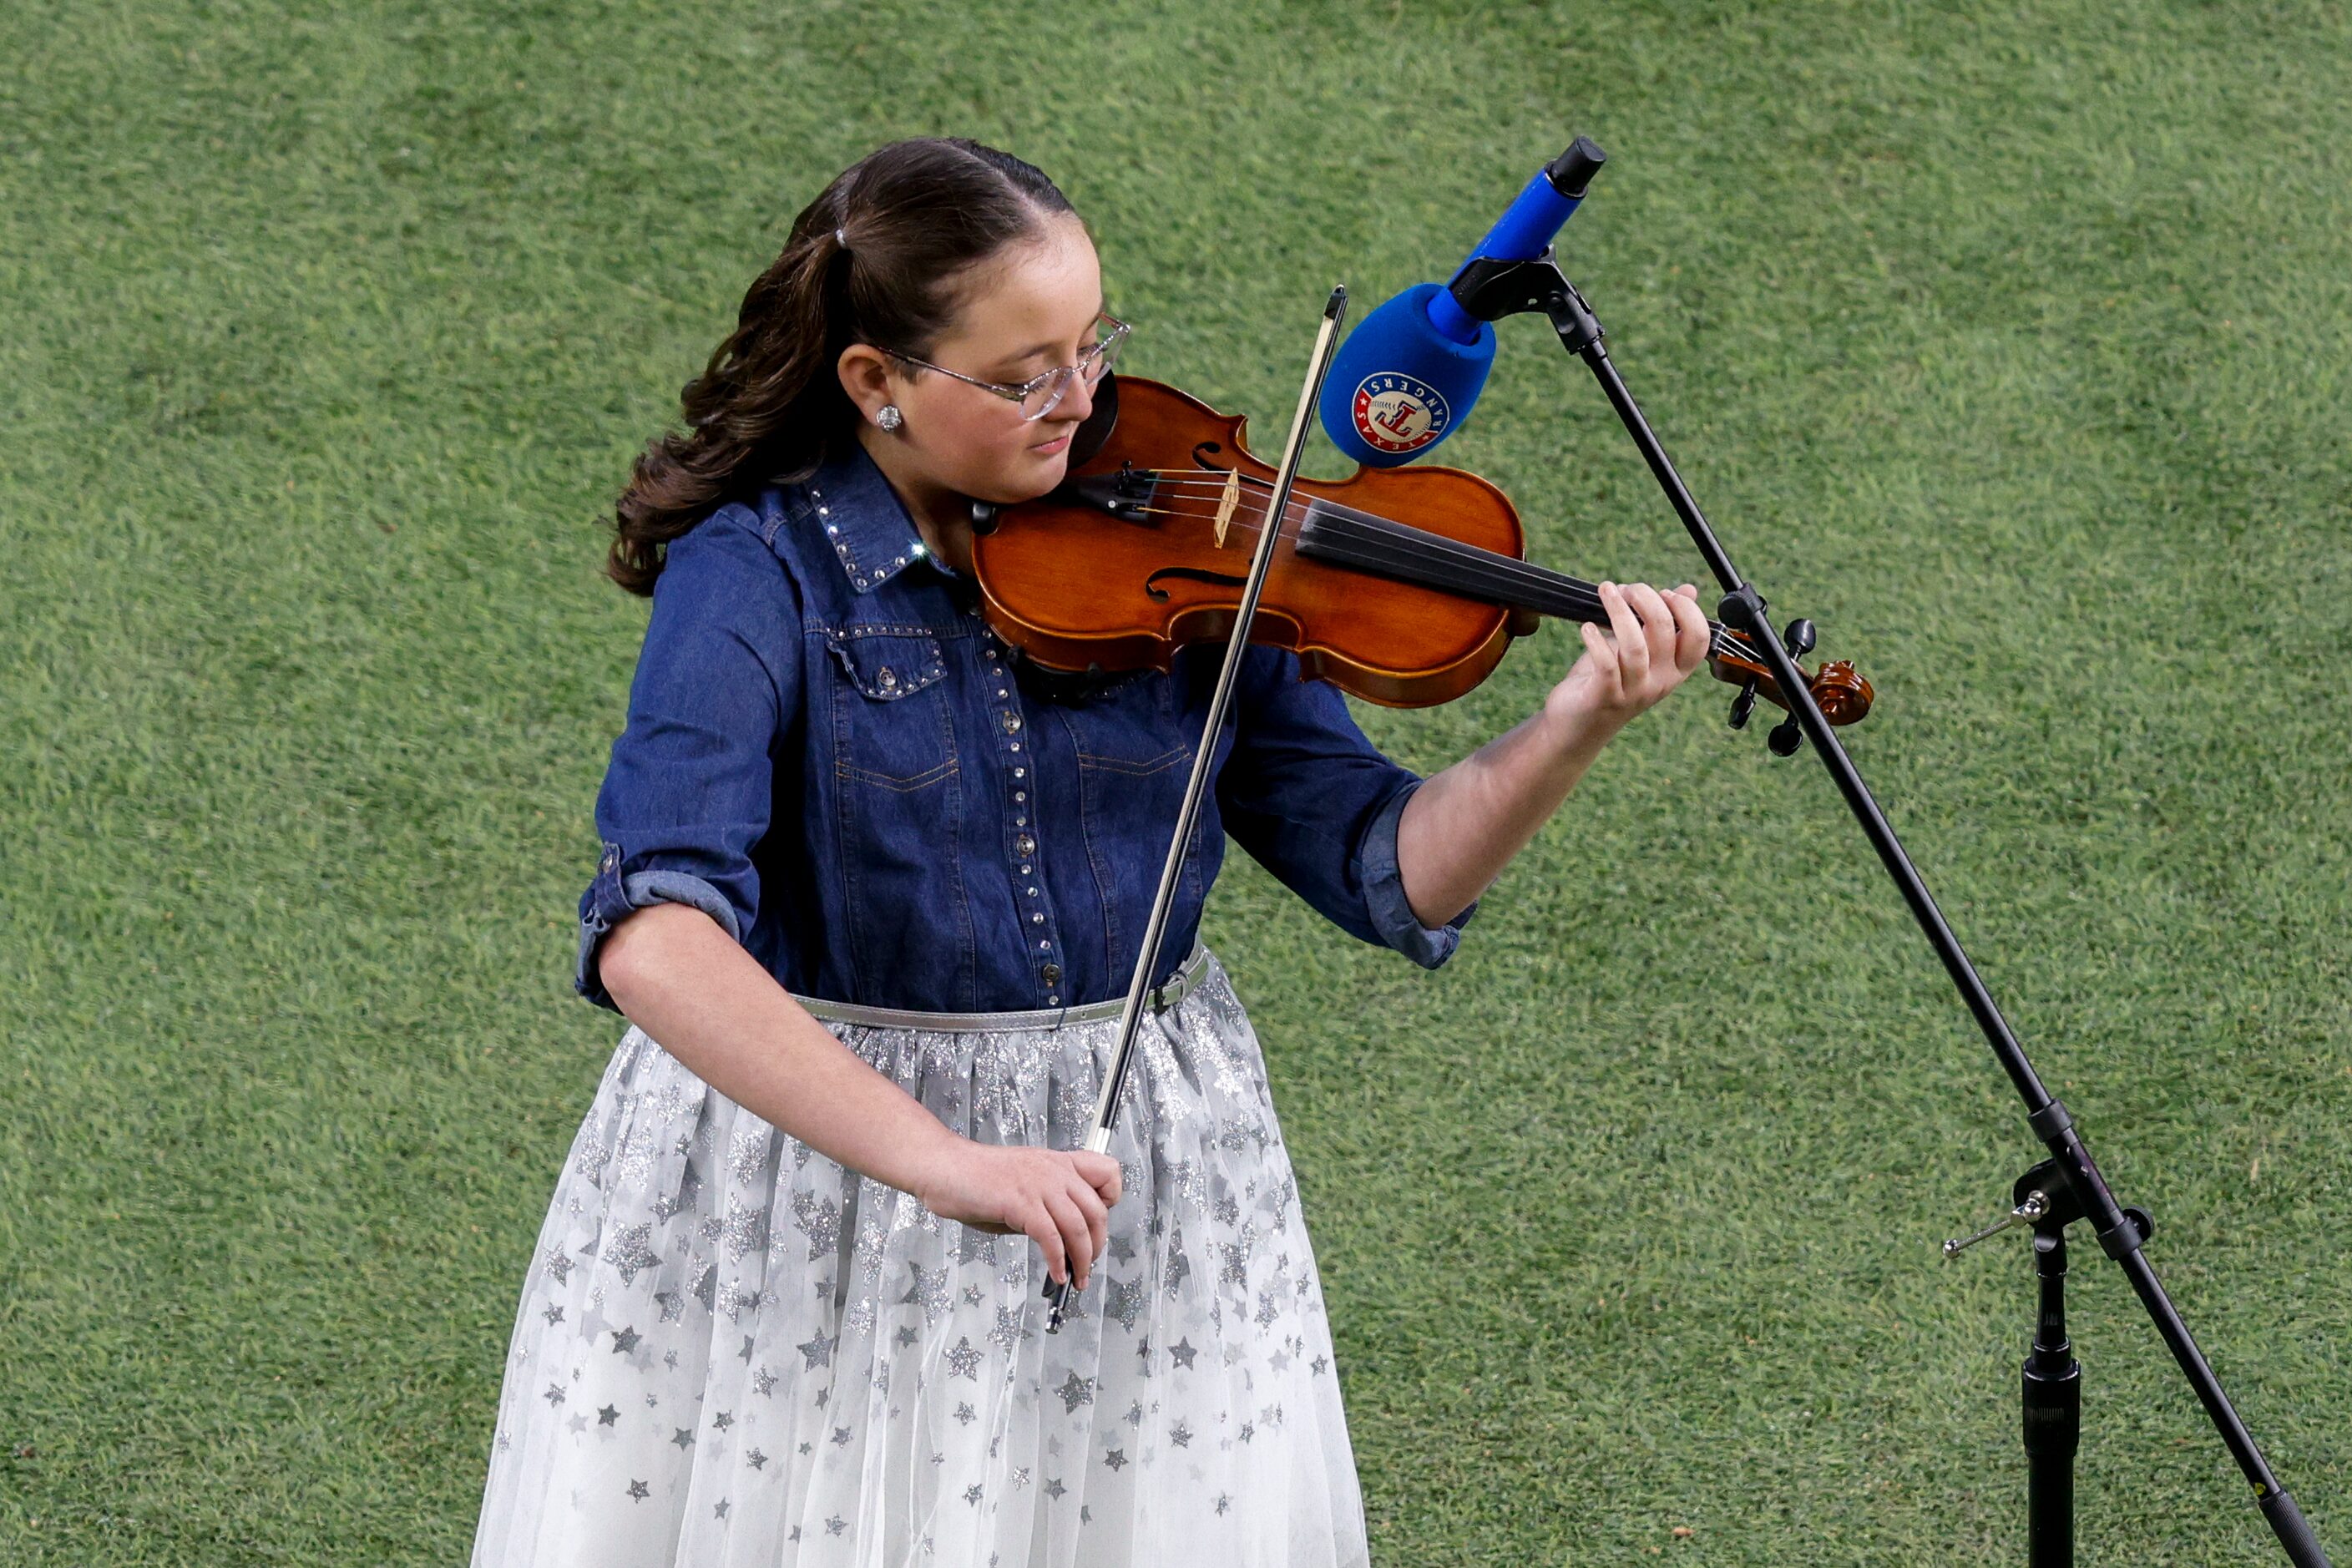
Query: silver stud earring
[{"x": 890, "y": 418}]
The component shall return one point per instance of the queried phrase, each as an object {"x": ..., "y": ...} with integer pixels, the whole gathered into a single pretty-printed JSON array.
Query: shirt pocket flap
[
  {"x": 1131, "y": 728},
  {"x": 887, "y": 662}
]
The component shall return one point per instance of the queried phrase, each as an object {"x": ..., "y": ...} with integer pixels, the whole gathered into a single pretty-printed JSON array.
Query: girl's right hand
[{"x": 1059, "y": 1199}]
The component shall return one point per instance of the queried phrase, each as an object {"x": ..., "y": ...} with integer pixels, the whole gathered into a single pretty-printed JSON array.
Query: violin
[{"x": 1402, "y": 586}]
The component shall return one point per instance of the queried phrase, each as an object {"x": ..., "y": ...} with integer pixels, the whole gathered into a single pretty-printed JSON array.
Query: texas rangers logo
[{"x": 1397, "y": 412}]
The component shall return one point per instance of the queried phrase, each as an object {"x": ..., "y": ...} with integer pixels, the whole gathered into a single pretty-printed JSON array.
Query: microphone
[{"x": 1407, "y": 377}]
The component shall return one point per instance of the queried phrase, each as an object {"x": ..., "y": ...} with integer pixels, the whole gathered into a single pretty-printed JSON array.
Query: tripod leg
[{"x": 2052, "y": 1386}]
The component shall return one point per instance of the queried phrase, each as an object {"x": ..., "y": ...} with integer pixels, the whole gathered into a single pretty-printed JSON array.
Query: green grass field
[{"x": 2009, "y": 342}]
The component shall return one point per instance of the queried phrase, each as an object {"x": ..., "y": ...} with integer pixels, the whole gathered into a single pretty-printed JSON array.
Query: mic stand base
[{"x": 1487, "y": 290}]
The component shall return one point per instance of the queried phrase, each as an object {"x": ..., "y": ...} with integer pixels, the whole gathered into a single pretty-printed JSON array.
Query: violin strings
[
  {"x": 1580, "y": 596},
  {"x": 1205, "y": 483},
  {"x": 1722, "y": 641},
  {"x": 1182, "y": 480}
]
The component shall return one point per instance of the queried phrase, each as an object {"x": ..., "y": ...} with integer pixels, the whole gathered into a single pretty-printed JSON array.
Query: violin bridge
[{"x": 1227, "y": 503}]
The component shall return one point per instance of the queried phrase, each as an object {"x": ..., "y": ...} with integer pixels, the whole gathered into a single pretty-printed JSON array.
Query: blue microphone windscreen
[{"x": 1398, "y": 385}]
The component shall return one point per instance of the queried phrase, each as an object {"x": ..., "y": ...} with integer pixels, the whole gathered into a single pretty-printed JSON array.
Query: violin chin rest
[{"x": 1096, "y": 428}]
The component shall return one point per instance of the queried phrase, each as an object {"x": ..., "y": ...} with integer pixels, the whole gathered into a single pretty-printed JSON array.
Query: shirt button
[
  {"x": 1021, "y": 794},
  {"x": 1037, "y": 919},
  {"x": 1051, "y": 970},
  {"x": 1012, "y": 722},
  {"x": 1024, "y": 844}
]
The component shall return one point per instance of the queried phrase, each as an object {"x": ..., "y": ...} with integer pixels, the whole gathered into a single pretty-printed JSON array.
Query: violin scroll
[
  {"x": 1841, "y": 692},
  {"x": 1843, "y": 695}
]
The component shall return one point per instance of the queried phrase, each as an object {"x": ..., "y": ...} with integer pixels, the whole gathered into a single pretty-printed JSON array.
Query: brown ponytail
[{"x": 769, "y": 408}]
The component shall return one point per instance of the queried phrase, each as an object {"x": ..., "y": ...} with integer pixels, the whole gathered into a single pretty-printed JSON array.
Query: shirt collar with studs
[{"x": 865, "y": 522}]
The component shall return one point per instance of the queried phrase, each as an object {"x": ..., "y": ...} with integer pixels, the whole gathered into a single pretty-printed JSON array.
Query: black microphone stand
[{"x": 2066, "y": 1187}]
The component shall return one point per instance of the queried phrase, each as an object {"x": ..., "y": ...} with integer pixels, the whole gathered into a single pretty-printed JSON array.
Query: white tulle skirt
[{"x": 733, "y": 1352}]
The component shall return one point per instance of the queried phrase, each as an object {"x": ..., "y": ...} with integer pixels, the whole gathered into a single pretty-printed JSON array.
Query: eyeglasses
[{"x": 1042, "y": 393}]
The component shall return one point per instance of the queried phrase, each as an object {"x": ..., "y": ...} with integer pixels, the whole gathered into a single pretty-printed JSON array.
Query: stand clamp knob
[{"x": 2034, "y": 1206}]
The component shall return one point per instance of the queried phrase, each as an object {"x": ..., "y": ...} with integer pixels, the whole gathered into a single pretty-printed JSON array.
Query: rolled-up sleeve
[
  {"x": 1312, "y": 800},
  {"x": 687, "y": 793}
]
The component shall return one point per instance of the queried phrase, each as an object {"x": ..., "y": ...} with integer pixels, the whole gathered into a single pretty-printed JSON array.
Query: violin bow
[{"x": 1148, "y": 957}]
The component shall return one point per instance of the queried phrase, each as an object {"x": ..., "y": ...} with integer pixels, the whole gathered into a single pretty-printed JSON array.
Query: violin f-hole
[{"x": 1190, "y": 575}]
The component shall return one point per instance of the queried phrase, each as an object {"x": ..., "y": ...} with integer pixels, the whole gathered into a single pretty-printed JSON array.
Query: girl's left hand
[{"x": 1637, "y": 661}]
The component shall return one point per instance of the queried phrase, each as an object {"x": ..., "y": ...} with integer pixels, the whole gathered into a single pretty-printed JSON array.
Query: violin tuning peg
[
  {"x": 1786, "y": 737},
  {"x": 1744, "y": 704},
  {"x": 1798, "y": 638}
]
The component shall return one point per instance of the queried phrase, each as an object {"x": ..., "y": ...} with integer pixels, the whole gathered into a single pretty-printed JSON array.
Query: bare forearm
[
  {"x": 1463, "y": 825},
  {"x": 682, "y": 980}
]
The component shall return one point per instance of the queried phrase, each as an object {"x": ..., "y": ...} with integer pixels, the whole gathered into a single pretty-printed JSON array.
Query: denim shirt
[{"x": 829, "y": 752}]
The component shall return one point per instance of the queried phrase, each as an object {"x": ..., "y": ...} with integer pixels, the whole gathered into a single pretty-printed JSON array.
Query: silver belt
[{"x": 1159, "y": 999}]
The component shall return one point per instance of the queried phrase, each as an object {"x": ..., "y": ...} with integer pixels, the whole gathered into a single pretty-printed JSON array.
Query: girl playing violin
[{"x": 870, "y": 898}]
